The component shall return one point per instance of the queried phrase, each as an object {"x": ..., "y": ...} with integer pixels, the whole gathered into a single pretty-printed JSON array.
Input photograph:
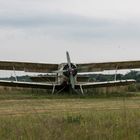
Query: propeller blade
[
  {"x": 72, "y": 81},
  {"x": 68, "y": 60}
]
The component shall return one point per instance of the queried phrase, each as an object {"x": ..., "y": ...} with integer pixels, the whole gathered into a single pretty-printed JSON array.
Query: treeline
[
  {"x": 19, "y": 78},
  {"x": 109, "y": 77}
]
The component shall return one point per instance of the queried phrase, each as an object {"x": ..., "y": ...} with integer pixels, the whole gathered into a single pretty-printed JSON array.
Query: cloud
[
  {"x": 82, "y": 20},
  {"x": 69, "y": 26},
  {"x": 32, "y": 29},
  {"x": 126, "y": 9}
]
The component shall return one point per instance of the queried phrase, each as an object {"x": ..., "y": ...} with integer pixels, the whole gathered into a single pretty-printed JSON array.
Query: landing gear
[
  {"x": 67, "y": 89},
  {"x": 53, "y": 89},
  {"x": 81, "y": 89}
]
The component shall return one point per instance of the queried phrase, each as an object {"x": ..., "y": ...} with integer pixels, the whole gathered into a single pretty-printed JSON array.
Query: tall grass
[
  {"x": 95, "y": 125},
  {"x": 37, "y": 115}
]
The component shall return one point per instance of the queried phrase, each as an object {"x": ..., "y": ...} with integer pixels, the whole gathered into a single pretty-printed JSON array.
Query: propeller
[{"x": 72, "y": 81}]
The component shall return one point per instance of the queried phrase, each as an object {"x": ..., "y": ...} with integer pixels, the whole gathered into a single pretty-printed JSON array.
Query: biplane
[{"x": 66, "y": 76}]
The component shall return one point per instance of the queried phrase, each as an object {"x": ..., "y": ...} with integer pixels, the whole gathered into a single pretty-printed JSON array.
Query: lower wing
[
  {"x": 105, "y": 84},
  {"x": 28, "y": 84},
  {"x": 58, "y": 86}
]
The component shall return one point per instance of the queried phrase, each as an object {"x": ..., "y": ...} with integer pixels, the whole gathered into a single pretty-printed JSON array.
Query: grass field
[{"x": 36, "y": 116}]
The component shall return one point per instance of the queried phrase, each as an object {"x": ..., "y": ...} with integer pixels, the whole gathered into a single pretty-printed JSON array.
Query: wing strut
[
  {"x": 15, "y": 73},
  {"x": 53, "y": 89},
  {"x": 115, "y": 77},
  {"x": 81, "y": 90}
]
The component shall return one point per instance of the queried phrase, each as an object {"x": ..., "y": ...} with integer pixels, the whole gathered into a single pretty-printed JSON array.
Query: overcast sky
[{"x": 91, "y": 30}]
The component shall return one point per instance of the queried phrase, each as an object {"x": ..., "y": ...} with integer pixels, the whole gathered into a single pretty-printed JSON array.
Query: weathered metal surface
[
  {"x": 27, "y": 66},
  {"x": 48, "y": 79},
  {"x": 92, "y": 67},
  {"x": 105, "y": 84},
  {"x": 27, "y": 84},
  {"x": 83, "y": 78}
]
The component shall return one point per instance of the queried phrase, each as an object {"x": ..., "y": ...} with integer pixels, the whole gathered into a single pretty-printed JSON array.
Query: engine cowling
[{"x": 67, "y": 70}]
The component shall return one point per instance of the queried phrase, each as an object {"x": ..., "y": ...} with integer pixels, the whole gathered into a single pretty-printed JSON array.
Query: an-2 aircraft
[{"x": 66, "y": 75}]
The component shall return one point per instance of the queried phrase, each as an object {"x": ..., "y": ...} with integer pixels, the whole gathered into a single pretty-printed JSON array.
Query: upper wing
[
  {"x": 105, "y": 84},
  {"x": 27, "y": 66},
  {"x": 92, "y": 67}
]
